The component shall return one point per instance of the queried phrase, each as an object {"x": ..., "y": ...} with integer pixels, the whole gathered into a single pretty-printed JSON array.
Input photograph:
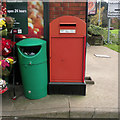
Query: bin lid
[{"x": 31, "y": 42}]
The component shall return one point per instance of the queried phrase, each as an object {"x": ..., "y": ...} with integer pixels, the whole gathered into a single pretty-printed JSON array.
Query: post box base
[{"x": 67, "y": 88}]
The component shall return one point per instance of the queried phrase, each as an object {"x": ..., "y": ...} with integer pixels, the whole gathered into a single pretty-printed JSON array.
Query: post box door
[{"x": 67, "y": 49}]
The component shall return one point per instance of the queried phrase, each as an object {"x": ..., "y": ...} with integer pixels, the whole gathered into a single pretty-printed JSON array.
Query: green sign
[{"x": 18, "y": 11}]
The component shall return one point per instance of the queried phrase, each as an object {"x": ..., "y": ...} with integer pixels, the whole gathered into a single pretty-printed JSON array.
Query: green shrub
[{"x": 96, "y": 31}]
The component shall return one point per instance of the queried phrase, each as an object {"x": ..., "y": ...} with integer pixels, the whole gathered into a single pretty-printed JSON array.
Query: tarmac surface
[{"x": 101, "y": 100}]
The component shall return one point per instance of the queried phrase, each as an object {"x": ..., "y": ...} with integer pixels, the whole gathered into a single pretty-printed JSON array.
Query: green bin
[{"x": 33, "y": 67}]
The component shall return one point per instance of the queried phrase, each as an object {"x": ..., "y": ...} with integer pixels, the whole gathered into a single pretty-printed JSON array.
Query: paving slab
[
  {"x": 49, "y": 106},
  {"x": 101, "y": 100},
  {"x": 56, "y": 101},
  {"x": 7, "y": 103},
  {"x": 106, "y": 113},
  {"x": 104, "y": 72},
  {"x": 82, "y": 112},
  {"x": 45, "y": 113}
]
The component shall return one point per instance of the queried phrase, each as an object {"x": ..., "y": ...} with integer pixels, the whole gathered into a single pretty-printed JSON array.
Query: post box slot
[
  {"x": 30, "y": 50},
  {"x": 65, "y": 24}
]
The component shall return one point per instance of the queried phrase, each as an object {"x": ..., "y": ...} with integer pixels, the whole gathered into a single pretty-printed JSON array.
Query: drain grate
[{"x": 89, "y": 80}]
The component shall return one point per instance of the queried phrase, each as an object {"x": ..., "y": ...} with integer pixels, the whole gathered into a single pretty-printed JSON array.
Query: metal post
[
  {"x": 108, "y": 40},
  {"x": 14, "y": 93},
  {"x": 99, "y": 13}
]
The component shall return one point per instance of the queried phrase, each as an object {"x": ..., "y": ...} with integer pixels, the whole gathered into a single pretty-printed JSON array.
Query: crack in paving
[
  {"x": 69, "y": 106},
  {"x": 93, "y": 113}
]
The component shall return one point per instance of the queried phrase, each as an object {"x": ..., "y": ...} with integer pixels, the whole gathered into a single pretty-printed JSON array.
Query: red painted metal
[
  {"x": 67, "y": 50},
  {"x": 84, "y": 58}
]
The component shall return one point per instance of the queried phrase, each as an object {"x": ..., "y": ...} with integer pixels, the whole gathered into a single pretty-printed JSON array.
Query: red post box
[{"x": 67, "y": 56}]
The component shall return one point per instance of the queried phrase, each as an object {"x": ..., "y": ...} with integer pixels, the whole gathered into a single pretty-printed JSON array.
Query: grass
[
  {"x": 114, "y": 37},
  {"x": 116, "y": 44},
  {"x": 116, "y": 31},
  {"x": 114, "y": 47}
]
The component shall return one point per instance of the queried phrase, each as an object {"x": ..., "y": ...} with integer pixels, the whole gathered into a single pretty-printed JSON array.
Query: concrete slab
[
  {"x": 54, "y": 101},
  {"x": 7, "y": 103},
  {"x": 49, "y": 106},
  {"x": 82, "y": 112},
  {"x": 106, "y": 113},
  {"x": 45, "y": 113},
  {"x": 104, "y": 72}
]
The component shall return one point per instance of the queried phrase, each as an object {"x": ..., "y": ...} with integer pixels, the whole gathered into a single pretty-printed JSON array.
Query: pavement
[{"x": 101, "y": 100}]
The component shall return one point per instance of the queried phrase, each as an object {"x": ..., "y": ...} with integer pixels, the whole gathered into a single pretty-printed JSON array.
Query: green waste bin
[{"x": 33, "y": 67}]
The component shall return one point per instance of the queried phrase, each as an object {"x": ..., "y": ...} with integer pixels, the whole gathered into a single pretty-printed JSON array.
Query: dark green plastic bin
[{"x": 33, "y": 66}]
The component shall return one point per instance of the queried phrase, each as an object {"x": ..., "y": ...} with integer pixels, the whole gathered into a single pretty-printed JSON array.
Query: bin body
[
  {"x": 33, "y": 67},
  {"x": 67, "y": 53}
]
